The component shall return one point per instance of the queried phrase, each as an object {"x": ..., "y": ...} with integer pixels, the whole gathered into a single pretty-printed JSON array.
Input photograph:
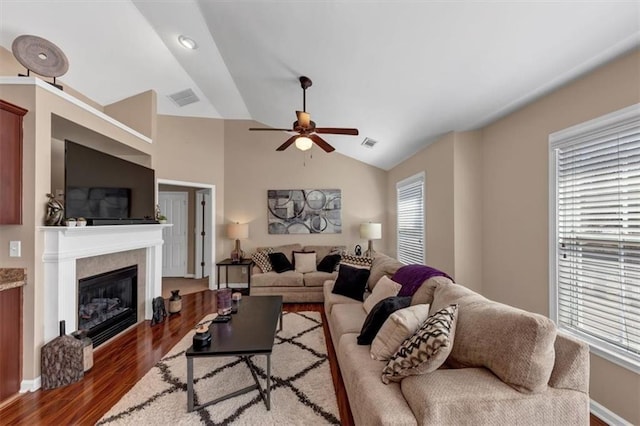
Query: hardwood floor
[{"x": 120, "y": 363}]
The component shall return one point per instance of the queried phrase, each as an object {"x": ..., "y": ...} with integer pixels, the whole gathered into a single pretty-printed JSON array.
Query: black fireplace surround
[{"x": 107, "y": 303}]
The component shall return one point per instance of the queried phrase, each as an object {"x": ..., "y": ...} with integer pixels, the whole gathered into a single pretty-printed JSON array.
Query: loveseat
[
  {"x": 506, "y": 365},
  {"x": 293, "y": 286}
]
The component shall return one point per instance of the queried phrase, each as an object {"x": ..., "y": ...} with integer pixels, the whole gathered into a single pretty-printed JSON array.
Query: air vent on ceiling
[
  {"x": 368, "y": 142},
  {"x": 184, "y": 97}
]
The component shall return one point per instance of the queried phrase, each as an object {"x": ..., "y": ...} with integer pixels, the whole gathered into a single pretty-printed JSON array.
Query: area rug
[{"x": 302, "y": 390}]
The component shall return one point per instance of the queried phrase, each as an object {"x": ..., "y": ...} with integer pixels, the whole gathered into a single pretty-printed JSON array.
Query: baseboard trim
[
  {"x": 30, "y": 385},
  {"x": 607, "y": 415},
  {"x": 190, "y": 276}
]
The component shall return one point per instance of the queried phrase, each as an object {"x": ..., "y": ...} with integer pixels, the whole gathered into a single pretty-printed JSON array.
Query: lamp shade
[
  {"x": 371, "y": 231},
  {"x": 238, "y": 231}
]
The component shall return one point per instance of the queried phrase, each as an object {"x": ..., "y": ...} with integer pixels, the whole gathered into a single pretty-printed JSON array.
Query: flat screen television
[{"x": 106, "y": 189}]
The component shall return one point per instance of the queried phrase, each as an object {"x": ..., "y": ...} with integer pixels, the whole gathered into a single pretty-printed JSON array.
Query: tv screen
[{"x": 101, "y": 186}]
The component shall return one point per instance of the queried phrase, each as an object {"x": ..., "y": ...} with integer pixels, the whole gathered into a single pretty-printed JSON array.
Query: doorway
[
  {"x": 174, "y": 205},
  {"x": 199, "y": 227}
]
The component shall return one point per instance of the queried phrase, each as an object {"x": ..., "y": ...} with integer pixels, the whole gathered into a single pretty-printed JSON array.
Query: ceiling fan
[{"x": 306, "y": 128}]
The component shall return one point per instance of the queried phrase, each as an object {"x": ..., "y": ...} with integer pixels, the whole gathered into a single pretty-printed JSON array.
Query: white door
[
  {"x": 174, "y": 250},
  {"x": 204, "y": 231}
]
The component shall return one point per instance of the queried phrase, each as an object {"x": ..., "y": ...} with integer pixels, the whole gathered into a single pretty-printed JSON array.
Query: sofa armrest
[{"x": 571, "y": 367}]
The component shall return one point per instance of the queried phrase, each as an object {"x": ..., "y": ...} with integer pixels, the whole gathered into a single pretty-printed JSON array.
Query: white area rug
[{"x": 302, "y": 391}]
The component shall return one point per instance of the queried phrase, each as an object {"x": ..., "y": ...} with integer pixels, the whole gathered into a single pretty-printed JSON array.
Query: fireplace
[{"x": 107, "y": 303}]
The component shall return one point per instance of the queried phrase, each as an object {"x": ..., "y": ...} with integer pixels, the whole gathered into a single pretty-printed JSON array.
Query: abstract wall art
[{"x": 304, "y": 211}]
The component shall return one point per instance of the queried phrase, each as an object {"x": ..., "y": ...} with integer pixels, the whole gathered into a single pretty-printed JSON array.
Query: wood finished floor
[{"x": 120, "y": 363}]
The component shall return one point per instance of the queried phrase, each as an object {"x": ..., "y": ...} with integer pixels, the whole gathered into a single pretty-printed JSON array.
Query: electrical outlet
[
  {"x": 15, "y": 249},
  {"x": 244, "y": 270}
]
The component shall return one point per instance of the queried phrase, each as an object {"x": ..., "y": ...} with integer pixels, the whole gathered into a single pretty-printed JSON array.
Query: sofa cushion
[
  {"x": 329, "y": 263},
  {"x": 280, "y": 262},
  {"x": 426, "y": 350},
  {"x": 385, "y": 288},
  {"x": 372, "y": 402},
  {"x": 261, "y": 259},
  {"x": 424, "y": 294},
  {"x": 351, "y": 282},
  {"x": 347, "y": 318},
  {"x": 382, "y": 265},
  {"x": 331, "y": 299},
  {"x": 378, "y": 315},
  {"x": 317, "y": 279},
  {"x": 412, "y": 276},
  {"x": 323, "y": 251},
  {"x": 401, "y": 325},
  {"x": 304, "y": 262},
  {"x": 287, "y": 249},
  {"x": 517, "y": 346},
  {"x": 274, "y": 279}
]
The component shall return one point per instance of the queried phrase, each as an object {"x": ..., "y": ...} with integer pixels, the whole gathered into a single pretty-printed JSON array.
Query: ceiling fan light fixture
[
  {"x": 187, "y": 42},
  {"x": 303, "y": 143}
]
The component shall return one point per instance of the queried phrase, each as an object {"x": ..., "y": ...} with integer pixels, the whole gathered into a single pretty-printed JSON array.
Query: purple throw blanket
[{"x": 411, "y": 277}]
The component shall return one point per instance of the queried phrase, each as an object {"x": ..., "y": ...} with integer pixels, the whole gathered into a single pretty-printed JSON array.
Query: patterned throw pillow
[
  {"x": 426, "y": 350},
  {"x": 356, "y": 261},
  {"x": 261, "y": 258}
]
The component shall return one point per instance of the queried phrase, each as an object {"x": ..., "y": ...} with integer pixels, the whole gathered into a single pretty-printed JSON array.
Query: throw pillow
[
  {"x": 351, "y": 282},
  {"x": 261, "y": 258},
  {"x": 280, "y": 262},
  {"x": 304, "y": 261},
  {"x": 329, "y": 263},
  {"x": 426, "y": 350},
  {"x": 356, "y": 261},
  {"x": 383, "y": 289},
  {"x": 378, "y": 316},
  {"x": 396, "y": 329}
]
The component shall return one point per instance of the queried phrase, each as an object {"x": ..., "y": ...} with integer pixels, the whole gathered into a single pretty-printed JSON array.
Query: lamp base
[
  {"x": 237, "y": 254},
  {"x": 370, "y": 251}
]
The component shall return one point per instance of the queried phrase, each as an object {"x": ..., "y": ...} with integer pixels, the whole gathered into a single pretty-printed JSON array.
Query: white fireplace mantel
[{"x": 64, "y": 245}]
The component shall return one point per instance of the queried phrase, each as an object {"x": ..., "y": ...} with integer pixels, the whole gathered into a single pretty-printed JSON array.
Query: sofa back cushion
[
  {"x": 382, "y": 265},
  {"x": 287, "y": 249},
  {"x": 517, "y": 346},
  {"x": 323, "y": 251}
]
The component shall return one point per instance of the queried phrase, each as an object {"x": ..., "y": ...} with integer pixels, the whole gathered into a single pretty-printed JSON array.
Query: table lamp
[
  {"x": 237, "y": 231},
  {"x": 370, "y": 231}
]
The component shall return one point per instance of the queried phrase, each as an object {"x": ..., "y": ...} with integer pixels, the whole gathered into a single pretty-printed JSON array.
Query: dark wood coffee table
[{"x": 250, "y": 332}]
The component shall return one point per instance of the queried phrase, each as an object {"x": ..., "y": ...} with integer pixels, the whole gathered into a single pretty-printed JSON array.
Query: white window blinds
[
  {"x": 597, "y": 234},
  {"x": 410, "y": 204}
]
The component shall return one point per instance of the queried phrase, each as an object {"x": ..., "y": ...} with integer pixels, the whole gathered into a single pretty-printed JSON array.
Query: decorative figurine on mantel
[{"x": 55, "y": 212}]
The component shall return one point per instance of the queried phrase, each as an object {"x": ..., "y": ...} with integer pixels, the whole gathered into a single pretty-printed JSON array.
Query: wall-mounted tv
[{"x": 105, "y": 189}]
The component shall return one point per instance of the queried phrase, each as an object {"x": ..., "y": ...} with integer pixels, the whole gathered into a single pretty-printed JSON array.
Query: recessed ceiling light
[{"x": 187, "y": 42}]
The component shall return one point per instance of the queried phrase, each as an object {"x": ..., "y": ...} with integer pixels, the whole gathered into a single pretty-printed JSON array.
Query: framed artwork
[{"x": 304, "y": 211}]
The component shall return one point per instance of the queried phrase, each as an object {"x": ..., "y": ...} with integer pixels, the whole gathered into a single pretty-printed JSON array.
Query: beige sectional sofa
[
  {"x": 294, "y": 287},
  {"x": 507, "y": 366}
]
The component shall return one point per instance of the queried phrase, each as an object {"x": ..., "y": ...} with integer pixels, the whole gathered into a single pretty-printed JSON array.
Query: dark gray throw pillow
[
  {"x": 378, "y": 315},
  {"x": 280, "y": 262},
  {"x": 329, "y": 263},
  {"x": 351, "y": 282}
]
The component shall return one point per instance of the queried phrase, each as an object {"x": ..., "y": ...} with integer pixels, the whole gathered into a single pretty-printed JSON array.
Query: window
[
  {"x": 410, "y": 227},
  {"x": 595, "y": 234}
]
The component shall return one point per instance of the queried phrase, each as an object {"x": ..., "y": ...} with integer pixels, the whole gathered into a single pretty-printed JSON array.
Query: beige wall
[
  {"x": 516, "y": 208},
  {"x": 137, "y": 112},
  {"x": 252, "y": 166},
  {"x": 192, "y": 150}
]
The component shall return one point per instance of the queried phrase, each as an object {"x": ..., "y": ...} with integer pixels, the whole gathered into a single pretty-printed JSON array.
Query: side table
[{"x": 226, "y": 263}]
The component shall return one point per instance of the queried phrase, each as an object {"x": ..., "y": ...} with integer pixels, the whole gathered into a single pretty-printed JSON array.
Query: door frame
[
  {"x": 212, "y": 231},
  {"x": 202, "y": 195}
]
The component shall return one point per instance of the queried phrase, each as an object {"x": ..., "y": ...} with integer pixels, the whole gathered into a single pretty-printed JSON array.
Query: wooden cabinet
[
  {"x": 10, "y": 342},
  {"x": 11, "y": 163}
]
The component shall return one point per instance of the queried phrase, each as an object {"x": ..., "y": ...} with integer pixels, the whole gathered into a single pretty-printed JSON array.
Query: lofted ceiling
[{"x": 402, "y": 72}]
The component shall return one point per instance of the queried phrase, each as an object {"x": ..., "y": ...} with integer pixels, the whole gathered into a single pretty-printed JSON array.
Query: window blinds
[
  {"x": 410, "y": 204},
  {"x": 597, "y": 184}
]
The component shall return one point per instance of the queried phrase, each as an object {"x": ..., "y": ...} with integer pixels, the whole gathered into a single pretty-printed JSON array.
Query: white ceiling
[{"x": 402, "y": 72}]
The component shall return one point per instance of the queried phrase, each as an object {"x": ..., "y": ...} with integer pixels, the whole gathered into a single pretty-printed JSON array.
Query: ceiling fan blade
[
  {"x": 287, "y": 144},
  {"x": 270, "y": 129},
  {"x": 304, "y": 119},
  {"x": 322, "y": 143},
  {"x": 337, "y": 131}
]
